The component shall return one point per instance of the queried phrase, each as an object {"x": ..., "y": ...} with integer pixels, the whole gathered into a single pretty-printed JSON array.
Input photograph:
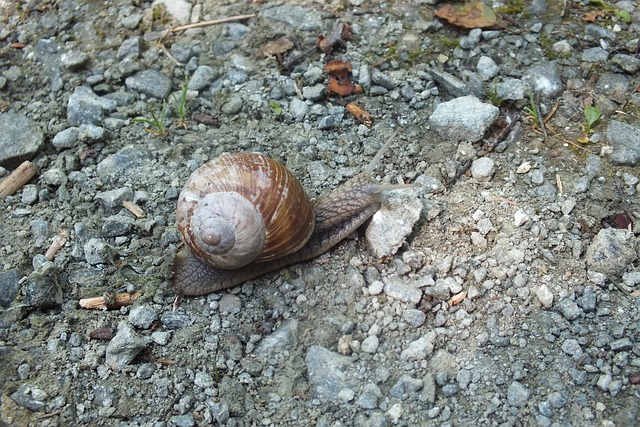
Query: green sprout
[
  {"x": 181, "y": 103},
  {"x": 591, "y": 117},
  {"x": 276, "y": 108},
  {"x": 156, "y": 122},
  {"x": 531, "y": 109},
  {"x": 493, "y": 96}
]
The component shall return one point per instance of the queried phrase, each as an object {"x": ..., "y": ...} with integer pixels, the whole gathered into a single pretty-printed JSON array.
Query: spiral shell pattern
[{"x": 243, "y": 207}]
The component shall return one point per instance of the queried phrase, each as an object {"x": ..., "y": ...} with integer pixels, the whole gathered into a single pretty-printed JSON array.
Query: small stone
[
  {"x": 556, "y": 399},
  {"x": 517, "y": 394},
  {"x": 91, "y": 133},
  {"x": 230, "y": 303},
  {"x": 85, "y": 107},
  {"x": 487, "y": 68},
  {"x": 414, "y": 317},
  {"x": 282, "y": 339},
  {"x": 29, "y": 397},
  {"x": 326, "y": 372},
  {"x": 569, "y": 309},
  {"x": 482, "y": 169},
  {"x": 126, "y": 160},
  {"x": 611, "y": 251},
  {"x": 298, "y": 109},
  {"x": 621, "y": 344},
  {"x": 625, "y": 141},
  {"x": 447, "y": 121},
  {"x": 233, "y": 105},
  {"x": 572, "y": 348},
  {"x": 588, "y": 300},
  {"x": 382, "y": 79},
  {"x": 20, "y": 139},
  {"x": 420, "y": 348},
  {"x": 117, "y": 225},
  {"x": 544, "y": 78},
  {"x": 145, "y": 371},
  {"x": 65, "y": 139},
  {"x": 113, "y": 199},
  {"x": 150, "y": 82},
  {"x": 124, "y": 347},
  {"x": 313, "y": 93},
  {"x": 97, "y": 251},
  {"x": 175, "y": 320},
  {"x": 370, "y": 344},
  {"x": 369, "y": 397},
  {"x": 545, "y": 296},
  {"x": 401, "y": 289},
  {"x": 393, "y": 222},
  {"x": 142, "y": 316},
  {"x": 130, "y": 48},
  {"x": 520, "y": 218},
  {"x": 603, "y": 381},
  {"x": 74, "y": 59}
]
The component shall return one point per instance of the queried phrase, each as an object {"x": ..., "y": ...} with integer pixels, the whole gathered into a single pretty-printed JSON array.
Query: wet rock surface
[{"x": 501, "y": 290}]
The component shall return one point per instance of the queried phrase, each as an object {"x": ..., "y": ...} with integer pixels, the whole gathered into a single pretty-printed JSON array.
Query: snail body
[{"x": 284, "y": 226}]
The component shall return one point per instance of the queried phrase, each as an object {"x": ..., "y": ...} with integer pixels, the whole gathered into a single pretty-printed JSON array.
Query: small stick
[
  {"x": 17, "y": 179},
  {"x": 133, "y": 208},
  {"x": 559, "y": 184},
  {"x": 109, "y": 301},
  {"x": 58, "y": 242},
  {"x": 213, "y": 22}
]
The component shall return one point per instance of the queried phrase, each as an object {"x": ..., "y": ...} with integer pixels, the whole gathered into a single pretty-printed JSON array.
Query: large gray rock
[
  {"x": 20, "y": 139},
  {"x": 463, "y": 119},
  {"x": 611, "y": 251},
  {"x": 625, "y": 141}
]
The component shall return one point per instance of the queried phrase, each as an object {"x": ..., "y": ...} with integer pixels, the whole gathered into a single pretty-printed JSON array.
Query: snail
[{"x": 242, "y": 215}]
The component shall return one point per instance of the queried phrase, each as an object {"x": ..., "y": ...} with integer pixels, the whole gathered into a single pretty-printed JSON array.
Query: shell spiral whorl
[{"x": 243, "y": 207}]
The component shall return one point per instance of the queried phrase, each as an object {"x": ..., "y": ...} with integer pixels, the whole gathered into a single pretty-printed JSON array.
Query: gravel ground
[{"x": 502, "y": 291}]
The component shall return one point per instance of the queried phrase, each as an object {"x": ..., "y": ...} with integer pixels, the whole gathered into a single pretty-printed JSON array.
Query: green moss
[{"x": 512, "y": 7}]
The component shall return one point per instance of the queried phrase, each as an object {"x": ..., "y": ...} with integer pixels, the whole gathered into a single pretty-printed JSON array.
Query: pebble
[
  {"x": 611, "y": 251},
  {"x": 382, "y": 79},
  {"x": 414, "y": 317},
  {"x": 282, "y": 339},
  {"x": 229, "y": 304},
  {"x": 326, "y": 372},
  {"x": 447, "y": 121},
  {"x": 621, "y": 344},
  {"x": 625, "y": 141},
  {"x": 180, "y": 10},
  {"x": 91, "y": 133},
  {"x": 175, "y": 320},
  {"x": 130, "y": 48},
  {"x": 112, "y": 199},
  {"x": 29, "y": 397},
  {"x": 9, "y": 286},
  {"x": 545, "y": 296},
  {"x": 74, "y": 59},
  {"x": 42, "y": 289},
  {"x": 127, "y": 159},
  {"x": 511, "y": 89},
  {"x": 142, "y": 316},
  {"x": 85, "y": 107},
  {"x": 401, "y": 289},
  {"x": 123, "y": 347},
  {"x": 313, "y": 93},
  {"x": 65, "y": 139},
  {"x": 233, "y": 105},
  {"x": 482, "y": 169},
  {"x": 594, "y": 54},
  {"x": 393, "y": 222},
  {"x": 420, "y": 348},
  {"x": 370, "y": 344},
  {"x": 150, "y": 82},
  {"x": 569, "y": 309},
  {"x": 97, "y": 251},
  {"x": 368, "y": 399},
  {"x": 517, "y": 394},
  {"x": 202, "y": 77},
  {"x": 487, "y": 68},
  {"x": 117, "y": 225},
  {"x": 544, "y": 79},
  {"x": 20, "y": 139},
  {"x": 572, "y": 348},
  {"x": 298, "y": 109}
]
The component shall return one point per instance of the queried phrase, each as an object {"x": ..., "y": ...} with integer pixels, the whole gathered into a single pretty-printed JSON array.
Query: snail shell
[{"x": 241, "y": 208}]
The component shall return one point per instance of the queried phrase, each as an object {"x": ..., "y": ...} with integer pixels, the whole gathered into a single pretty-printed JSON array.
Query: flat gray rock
[
  {"x": 463, "y": 119},
  {"x": 20, "y": 139},
  {"x": 150, "y": 82},
  {"x": 625, "y": 141}
]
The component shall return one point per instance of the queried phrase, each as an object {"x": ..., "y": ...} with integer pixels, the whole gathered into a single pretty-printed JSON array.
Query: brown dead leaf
[
  {"x": 340, "y": 79},
  {"x": 592, "y": 16},
  {"x": 361, "y": 115},
  {"x": 276, "y": 47},
  {"x": 338, "y": 36},
  {"x": 474, "y": 14},
  {"x": 457, "y": 298}
]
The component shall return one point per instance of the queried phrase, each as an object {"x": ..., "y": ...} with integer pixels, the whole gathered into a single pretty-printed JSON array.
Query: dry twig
[
  {"x": 17, "y": 179},
  {"x": 58, "y": 242},
  {"x": 109, "y": 301}
]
